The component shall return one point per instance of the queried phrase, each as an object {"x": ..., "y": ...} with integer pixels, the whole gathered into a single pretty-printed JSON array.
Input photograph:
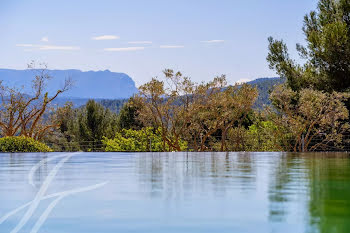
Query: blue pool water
[{"x": 175, "y": 192}]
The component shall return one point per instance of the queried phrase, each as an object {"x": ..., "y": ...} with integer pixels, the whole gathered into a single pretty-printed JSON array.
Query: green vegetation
[
  {"x": 326, "y": 54},
  {"x": 113, "y": 105},
  {"x": 309, "y": 108},
  {"x": 314, "y": 119},
  {"x": 146, "y": 139},
  {"x": 265, "y": 136},
  {"x": 194, "y": 112},
  {"x": 22, "y": 144},
  {"x": 83, "y": 128},
  {"x": 128, "y": 116}
]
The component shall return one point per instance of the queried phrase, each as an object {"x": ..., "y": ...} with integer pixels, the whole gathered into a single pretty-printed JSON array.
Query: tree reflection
[
  {"x": 185, "y": 175},
  {"x": 283, "y": 179},
  {"x": 314, "y": 185},
  {"x": 329, "y": 205}
]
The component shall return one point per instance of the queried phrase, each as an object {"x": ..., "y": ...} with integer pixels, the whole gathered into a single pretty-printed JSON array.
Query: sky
[{"x": 200, "y": 38}]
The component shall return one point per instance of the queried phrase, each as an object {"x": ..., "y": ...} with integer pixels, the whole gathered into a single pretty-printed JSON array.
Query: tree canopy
[
  {"x": 326, "y": 53},
  {"x": 183, "y": 109}
]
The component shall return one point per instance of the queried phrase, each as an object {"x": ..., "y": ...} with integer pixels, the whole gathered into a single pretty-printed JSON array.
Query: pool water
[{"x": 175, "y": 192}]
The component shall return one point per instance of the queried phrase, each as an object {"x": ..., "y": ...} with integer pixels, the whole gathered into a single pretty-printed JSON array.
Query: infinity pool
[{"x": 175, "y": 192}]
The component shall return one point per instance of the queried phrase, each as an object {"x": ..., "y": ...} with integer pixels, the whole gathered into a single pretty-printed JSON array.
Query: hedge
[{"x": 22, "y": 144}]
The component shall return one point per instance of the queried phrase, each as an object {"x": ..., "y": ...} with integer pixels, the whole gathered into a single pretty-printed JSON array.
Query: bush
[
  {"x": 22, "y": 144},
  {"x": 267, "y": 136},
  {"x": 146, "y": 139}
]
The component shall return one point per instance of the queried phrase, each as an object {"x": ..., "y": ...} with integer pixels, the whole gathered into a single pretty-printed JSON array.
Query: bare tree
[{"x": 23, "y": 113}]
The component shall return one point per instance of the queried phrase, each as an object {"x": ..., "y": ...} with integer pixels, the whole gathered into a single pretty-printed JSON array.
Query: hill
[{"x": 264, "y": 86}]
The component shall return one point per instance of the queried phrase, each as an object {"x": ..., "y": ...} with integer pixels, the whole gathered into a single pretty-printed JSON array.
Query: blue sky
[{"x": 201, "y": 38}]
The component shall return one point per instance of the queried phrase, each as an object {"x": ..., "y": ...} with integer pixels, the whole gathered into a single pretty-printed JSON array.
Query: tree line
[{"x": 308, "y": 112}]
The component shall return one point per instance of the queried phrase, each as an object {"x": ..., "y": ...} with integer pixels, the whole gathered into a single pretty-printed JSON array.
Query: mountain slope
[
  {"x": 264, "y": 86},
  {"x": 90, "y": 84}
]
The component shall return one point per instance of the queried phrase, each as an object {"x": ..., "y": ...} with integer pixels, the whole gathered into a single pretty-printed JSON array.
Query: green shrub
[
  {"x": 22, "y": 144},
  {"x": 266, "y": 136},
  {"x": 146, "y": 139}
]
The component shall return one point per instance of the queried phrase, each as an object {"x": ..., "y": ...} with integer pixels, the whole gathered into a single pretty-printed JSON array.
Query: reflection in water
[
  {"x": 188, "y": 192},
  {"x": 287, "y": 185},
  {"x": 329, "y": 188},
  {"x": 181, "y": 177},
  {"x": 320, "y": 183}
]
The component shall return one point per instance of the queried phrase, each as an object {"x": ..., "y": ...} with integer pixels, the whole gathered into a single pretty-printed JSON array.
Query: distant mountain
[
  {"x": 87, "y": 85},
  {"x": 265, "y": 86}
]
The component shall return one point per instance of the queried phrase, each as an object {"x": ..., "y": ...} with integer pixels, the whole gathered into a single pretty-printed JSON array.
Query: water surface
[{"x": 181, "y": 192}]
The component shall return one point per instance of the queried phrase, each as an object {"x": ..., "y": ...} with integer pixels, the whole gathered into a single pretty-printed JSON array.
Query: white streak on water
[
  {"x": 48, "y": 210},
  {"x": 39, "y": 195},
  {"x": 66, "y": 193},
  {"x": 41, "y": 163},
  {"x": 33, "y": 205}
]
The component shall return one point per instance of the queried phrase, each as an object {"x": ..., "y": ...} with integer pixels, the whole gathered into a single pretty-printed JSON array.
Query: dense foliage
[
  {"x": 194, "y": 112},
  {"x": 146, "y": 139},
  {"x": 264, "y": 135},
  {"x": 95, "y": 122},
  {"x": 310, "y": 107},
  {"x": 128, "y": 116},
  {"x": 113, "y": 105},
  {"x": 326, "y": 54},
  {"x": 83, "y": 128},
  {"x": 22, "y": 144},
  {"x": 314, "y": 119}
]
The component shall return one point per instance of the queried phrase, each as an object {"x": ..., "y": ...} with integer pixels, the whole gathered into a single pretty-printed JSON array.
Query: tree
[
  {"x": 128, "y": 116},
  {"x": 66, "y": 136},
  {"x": 183, "y": 109},
  {"x": 167, "y": 107},
  {"x": 219, "y": 108},
  {"x": 311, "y": 119},
  {"x": 327, "y": 53},
  {"x": 207, "y": 109},
  {"x": 29, "y": 114},
  {"x": 264, "y": 135},
  {"x": 94, "y": 123}
]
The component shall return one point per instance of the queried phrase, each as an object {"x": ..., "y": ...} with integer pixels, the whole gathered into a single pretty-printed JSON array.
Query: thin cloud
[
  {"x": 212, "y": 41},
  {"x": 45, "y": 39},
  {"x": 25, "y": 45},
  {"x": 106, "y": 37},
  {"x": 243, "y": 80},
  {"x": 171, "y": 46},
  {"x": 140, "y": 42},
  {"x": 55, "y": 47},
  {"x": 123, "y": 49},
  {"x": 48, "y": 47}
]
